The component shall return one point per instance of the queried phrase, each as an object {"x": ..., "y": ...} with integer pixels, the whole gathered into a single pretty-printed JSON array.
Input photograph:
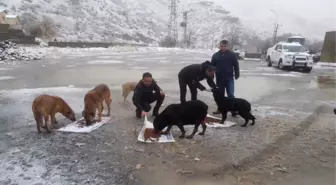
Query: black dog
[
  {"x": 235, "y": 105},
  {"x": 187, "y": 113},
  {"x": 335, "y": 111}
]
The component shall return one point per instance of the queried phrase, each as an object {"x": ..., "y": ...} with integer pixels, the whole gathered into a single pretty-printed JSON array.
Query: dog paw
[
  {"x": 201, "y": 133},
  {"x": 243, "y": 125},
  {"x": 182, "y": 137},
  {"x": 189, "y": 137}
]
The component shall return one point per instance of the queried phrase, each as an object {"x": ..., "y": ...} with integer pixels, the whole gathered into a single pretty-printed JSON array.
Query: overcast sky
[{"x": 309, "y": 16}]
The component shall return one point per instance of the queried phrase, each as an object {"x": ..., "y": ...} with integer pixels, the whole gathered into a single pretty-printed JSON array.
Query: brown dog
[
  {"x": 127, "y": 88},
  {"x": 45, "y": 106},
  {"x": 93, "y": 100}
]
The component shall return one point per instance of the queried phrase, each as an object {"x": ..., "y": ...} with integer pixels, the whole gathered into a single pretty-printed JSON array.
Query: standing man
[
  {"x": 146, "y": 92},
  {"x": 191, "y": 76},
  {"x": 227, "y": 68}
]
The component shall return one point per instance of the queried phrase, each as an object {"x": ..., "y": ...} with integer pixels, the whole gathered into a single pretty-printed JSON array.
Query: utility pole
[
  {"x": 172, "y": 24},
  {"x": 184, "y": 24},
  {"x": 276, "y": 26}
]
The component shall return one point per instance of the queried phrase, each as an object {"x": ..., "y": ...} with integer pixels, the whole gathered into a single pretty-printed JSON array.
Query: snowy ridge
[{"x": 123, "y": 20}]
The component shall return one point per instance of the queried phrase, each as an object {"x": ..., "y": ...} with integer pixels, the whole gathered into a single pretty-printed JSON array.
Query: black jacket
[
  {"x": 144, "y": 93},
  {"x": 194, "y": 73},
  {"x": 225, "y": 64}
]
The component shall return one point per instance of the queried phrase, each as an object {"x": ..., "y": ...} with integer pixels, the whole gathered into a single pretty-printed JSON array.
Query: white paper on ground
[
  {"x": 218, "y": 125},
  {"x": 162, "y": 139},
  {"x": 78, "y": 127}
]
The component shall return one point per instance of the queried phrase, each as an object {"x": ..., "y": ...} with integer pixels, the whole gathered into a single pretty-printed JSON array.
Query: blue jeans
[{"x": 226, "y": 84}]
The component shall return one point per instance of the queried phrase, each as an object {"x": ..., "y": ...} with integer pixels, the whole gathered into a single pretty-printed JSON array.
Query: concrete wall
[
  {"x": 252, "y": 55},
  {"x": 89, "y": 44},
  {"x": 328, "y": 53},
  {"x": 16, "y": 36}
]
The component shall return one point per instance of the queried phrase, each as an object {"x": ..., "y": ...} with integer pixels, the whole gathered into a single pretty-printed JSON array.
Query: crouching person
[{"x": 146, "y": 92}]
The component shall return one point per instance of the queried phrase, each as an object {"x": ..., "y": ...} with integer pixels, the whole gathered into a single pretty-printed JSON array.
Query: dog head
[
  {"x": 160, "y": 122},
  {"x": 217, "y": 94},
  {"x": 68, "y": 112},
  {"x": 70, "y": 115},
  {"x": 88, "y": 114}
]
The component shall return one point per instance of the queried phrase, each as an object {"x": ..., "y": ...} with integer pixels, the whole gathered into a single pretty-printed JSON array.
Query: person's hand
[
  {"x": 143, "y": 114},
  {"x": 236, "y": 76},
  {"x": 162, "y": 93}
]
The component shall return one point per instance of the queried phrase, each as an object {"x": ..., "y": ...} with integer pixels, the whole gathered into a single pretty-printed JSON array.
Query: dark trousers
[
  {"x": 145, "y": 102},
  {"x": 226, "y": 85},
  {"x": 183, "y": 90}
]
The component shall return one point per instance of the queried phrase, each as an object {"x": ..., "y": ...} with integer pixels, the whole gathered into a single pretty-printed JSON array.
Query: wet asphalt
[{"x": 109, "y": 155}]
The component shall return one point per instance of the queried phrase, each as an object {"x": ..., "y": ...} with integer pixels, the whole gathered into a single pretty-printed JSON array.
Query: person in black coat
[
  {"x": 191, "y": 76},
  {"x": 227, "y": 69},
  {"x": 146, "y": 92}
]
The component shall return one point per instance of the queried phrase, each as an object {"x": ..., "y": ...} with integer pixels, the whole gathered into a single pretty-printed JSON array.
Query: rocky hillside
[{"x": 124, "y": 20}]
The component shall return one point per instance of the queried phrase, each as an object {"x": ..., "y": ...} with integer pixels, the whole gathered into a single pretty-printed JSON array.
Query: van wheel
[{"x": 280, "y": 65}]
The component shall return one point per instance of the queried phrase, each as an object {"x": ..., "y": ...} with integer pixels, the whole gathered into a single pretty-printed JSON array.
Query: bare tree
[
  {"x": 45, "y": 28},
  {"x": 168, "y": 42},
  {"x": 232, "y": 32}
]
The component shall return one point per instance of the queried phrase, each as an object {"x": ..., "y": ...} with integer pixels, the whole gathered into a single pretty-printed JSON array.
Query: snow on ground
[
  {"x": 105, "y": 62},
  {"x": 55, "y": 52},
  {"x": 325, "y": 65},
  {"x": 6, "y": 77},
  {"x": 274, "y": 74}
]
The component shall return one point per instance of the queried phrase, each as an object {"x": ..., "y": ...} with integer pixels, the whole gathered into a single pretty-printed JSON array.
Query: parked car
[
  {"x": 240, "y": 54},
  {"x": 317, "y": 56},
  {"x": 286, "y": 55}
]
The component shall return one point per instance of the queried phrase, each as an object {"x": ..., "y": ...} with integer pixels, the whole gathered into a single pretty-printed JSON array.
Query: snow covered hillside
[
  {"x": 121, "y": 20},
  {"x": 144, "y": 21}
]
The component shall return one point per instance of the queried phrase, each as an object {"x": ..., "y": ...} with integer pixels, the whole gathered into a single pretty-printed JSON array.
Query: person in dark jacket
[
  {"x": 191, "y": 76},
  {"x": 227, "y": 69},
  {"x": 146, "y": 92}
]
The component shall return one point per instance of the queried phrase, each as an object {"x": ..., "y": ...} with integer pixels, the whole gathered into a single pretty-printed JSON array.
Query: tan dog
[
  {"x": 45, "y": 106},
  {"x": 93, "y": 100},
  {"x": 127, "y": 88}
]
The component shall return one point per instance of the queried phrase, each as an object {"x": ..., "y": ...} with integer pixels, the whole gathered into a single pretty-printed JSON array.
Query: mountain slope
[
  {"x": 119, "y": 20},
  {"x": 95, "y": 19}
]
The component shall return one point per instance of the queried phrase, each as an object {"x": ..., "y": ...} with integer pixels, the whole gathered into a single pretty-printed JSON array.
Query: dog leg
[
  {"x": 108, "y": 103},
  {"x": 52, "y": 120},
  {"x": 203, "y": 127},
  {"x": 224, "y": 113},
  {"x": 194, "y": 131},
  {"x": 38, "y": 120},
  {"x": 246, "y": 118},
  {"x": 168, "y": 130},
  {"x": 99, "y": 112},
  {"x": 252, "y": 118},
  {"x": 180, "y": 126},
  {"x": 46, "y": 118}
]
